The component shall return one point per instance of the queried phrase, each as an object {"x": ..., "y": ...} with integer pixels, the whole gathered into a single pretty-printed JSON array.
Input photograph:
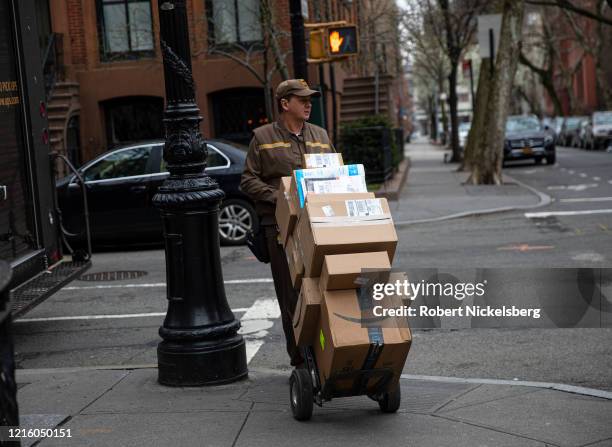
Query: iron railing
[{"x": 53, "y": 63}]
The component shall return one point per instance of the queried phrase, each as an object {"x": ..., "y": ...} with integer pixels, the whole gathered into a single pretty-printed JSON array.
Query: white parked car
[{"x": 598, "y": 132}]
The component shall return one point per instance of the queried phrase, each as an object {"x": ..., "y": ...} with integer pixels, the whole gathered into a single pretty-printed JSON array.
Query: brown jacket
[{"x": 275, "y": 152}]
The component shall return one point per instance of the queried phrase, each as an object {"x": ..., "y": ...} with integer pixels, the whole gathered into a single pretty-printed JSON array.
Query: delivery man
[{"x": 275, "y": 151}]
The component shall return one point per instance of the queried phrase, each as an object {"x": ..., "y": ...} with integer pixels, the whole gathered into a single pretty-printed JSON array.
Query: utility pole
[
  {"x": 201, "y": 344},
  {"x": 298, "y": 42}
]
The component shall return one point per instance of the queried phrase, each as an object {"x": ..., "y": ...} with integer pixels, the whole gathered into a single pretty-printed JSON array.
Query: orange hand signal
[{"x": 335, "y": 41}]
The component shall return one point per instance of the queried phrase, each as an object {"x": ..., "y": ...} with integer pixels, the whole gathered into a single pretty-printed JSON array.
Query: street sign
[
  {"x": 489, "y": 26},
  {"x": 342, "y": 40}
]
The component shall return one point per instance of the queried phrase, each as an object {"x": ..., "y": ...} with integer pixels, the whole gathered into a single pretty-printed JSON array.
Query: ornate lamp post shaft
[{"x": 200, "y": 344}]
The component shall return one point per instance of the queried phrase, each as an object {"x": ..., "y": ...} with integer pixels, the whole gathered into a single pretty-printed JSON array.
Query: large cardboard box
[
  {"x": 322, "y": 160},
  {"x": 346, "y": 343},
  {"x": 333, "y": 227},
  {"x": 344, "y": 271},
  {"x": 307, "y": 311},
  {"x": 332, "y": 179},
  {"x": 294, "y": 260},
  {"x": 286, "y": 211}
]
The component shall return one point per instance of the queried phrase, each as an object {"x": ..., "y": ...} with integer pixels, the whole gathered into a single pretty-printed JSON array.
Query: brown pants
[{"x": 285, "y": 293}]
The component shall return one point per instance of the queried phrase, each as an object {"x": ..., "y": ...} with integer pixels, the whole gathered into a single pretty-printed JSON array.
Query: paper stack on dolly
[{"x": 339, "y": 239}]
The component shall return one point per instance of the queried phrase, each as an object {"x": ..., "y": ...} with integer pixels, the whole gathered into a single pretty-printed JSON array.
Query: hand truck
[{"x": 305, "y": 387}]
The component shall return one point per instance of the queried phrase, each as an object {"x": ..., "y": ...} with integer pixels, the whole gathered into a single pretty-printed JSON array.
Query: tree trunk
[
  {"x": 454, "y": 115},
  {"x": 488, "y": 168},
  {"x": 602, "y": 78},
  {"x": 433, "y": 119},
  {"x": 443, "y": 113},
  {"x": 479, "y": 118}
]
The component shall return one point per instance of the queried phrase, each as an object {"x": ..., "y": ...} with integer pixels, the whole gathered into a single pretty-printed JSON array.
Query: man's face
[{"x": 299, "y": 107}]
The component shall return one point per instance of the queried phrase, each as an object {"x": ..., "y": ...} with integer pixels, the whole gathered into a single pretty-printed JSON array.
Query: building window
[
  {"x": 133, "y": 118},
  {"x": 234, "y": 21},
  {"x": 126, "y": 29}
]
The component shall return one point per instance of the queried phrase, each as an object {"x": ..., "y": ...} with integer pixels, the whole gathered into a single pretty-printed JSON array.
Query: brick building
[
  {"x": 107, "y": 78},
  {"x": 584, "y": 70}
]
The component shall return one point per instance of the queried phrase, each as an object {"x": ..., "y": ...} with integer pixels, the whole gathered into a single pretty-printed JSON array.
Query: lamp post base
[{"x": 202, "y": 363}]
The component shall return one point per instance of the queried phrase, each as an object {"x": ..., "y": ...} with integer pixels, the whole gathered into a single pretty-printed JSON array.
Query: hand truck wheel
[
  {"x": 390, "y": 402},
  {"x": 300, "y": 385}
]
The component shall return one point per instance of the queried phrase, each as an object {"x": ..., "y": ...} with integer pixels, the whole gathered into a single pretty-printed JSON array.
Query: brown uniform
[{"x": 275, "y": 152}]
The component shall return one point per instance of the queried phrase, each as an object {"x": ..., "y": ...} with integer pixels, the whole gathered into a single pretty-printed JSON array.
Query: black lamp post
[{"x": 200, "y": 344}]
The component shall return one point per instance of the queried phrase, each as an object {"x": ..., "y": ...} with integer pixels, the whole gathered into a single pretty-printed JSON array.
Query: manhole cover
[{"x": 113, "y": 276}]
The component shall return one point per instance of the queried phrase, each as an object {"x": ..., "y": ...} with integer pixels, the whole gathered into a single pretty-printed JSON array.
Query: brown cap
[{"x": 297, "y": 87}]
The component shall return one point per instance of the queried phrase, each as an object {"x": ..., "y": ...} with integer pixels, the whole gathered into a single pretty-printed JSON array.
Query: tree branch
[{"x": 568, "y": 5}]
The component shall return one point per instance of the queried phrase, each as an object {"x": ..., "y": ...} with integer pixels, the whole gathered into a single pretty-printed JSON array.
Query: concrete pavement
[
  {"x": 436, "y": 191},
  {"x": 124, "y": 405},
  {"x": 127, "y": 407}
]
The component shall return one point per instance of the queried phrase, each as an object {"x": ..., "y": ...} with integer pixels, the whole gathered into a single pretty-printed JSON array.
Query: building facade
[{"x": 109, "y": 86}]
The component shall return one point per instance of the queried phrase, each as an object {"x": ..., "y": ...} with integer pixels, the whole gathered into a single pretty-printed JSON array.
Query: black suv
[{"x": 527, "y": 139}]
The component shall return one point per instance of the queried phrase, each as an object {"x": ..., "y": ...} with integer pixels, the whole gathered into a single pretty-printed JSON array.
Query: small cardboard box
[
  {"x": 286, "y": 211},
  {"x": 346, "y": 343},
  {"x": 294, "y": 260},
  {"x": 333, "y": 227},
  {"x": 333, "y": 179},
  {"x": 342, "y": 271},
  {"x": 323, "y": 160},
  {"x": 307, "y": 310}
]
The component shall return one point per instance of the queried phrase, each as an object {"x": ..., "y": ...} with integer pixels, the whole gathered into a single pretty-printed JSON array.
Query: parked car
[
  {"x": 553, "y": 126},
  {"x": 526, "y": 139},
  {"x": 598, "y": 132},
  {"x": 120, "y": 186},
  {"x": 570, "y": 131},
  {"x": 464, "y": 130}
]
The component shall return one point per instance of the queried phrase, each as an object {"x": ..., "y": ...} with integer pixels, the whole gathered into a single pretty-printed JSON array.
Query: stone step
[{"x": 57, "y": 106}]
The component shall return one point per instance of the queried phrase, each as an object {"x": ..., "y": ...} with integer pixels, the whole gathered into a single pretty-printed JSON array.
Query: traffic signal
[
  {"x": 342, "y": 40},
  {"x": 330, "y": 41},
  {"x": 316, "y": 47}
]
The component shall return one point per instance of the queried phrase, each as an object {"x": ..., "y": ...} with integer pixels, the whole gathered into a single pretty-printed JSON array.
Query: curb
[
  {"x": 545, "y": 200},
  {"x": 263, "y": 371},
  {"x": 544, "y": 385},
  {"x": 392, "y": 187}
]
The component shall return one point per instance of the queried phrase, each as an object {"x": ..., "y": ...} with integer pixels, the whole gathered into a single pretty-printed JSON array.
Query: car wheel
[
  {"x": 236, "y": 218},
  {"x": 538, "y": 160}
]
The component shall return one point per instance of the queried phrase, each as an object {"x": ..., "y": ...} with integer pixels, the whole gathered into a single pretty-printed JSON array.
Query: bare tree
[
  {"x": 486, "y": 162},
  {"x": 429, "y": 61},
  {"x": 459, "y": 26},
  {"x": 571, "y": 6},
  {"x": 564, "y": 32},
  {"x": 452, "y": 26},
  {"x": 261, "y": 51},
  {"x": 378, "y": 37},
  {"x": 591, "y": 37}
]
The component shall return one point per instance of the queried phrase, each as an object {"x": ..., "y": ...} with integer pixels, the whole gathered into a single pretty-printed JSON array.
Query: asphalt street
[{"x": 112, "y": 323}]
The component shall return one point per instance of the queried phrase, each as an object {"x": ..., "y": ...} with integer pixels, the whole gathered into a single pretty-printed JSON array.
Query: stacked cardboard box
[{"x": 337, "y": 236}]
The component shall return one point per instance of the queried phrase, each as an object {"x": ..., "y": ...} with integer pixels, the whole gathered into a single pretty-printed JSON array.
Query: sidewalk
[
  {"x": 435, "y": 191},
  {"x": 105, "y": 407}
]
